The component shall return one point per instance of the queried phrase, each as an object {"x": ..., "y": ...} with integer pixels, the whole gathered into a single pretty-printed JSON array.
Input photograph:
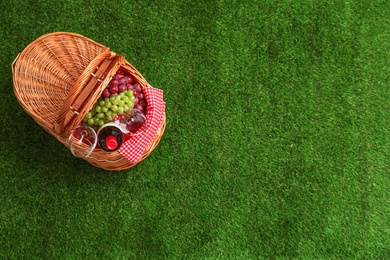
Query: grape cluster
[
  {"x": 106, "y": 109},
  {"x": 120, "y": 82},
  {"x": 119, "y": 96}
]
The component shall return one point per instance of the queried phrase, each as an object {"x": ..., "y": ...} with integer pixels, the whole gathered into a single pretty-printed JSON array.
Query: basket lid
[{"x": 47, "y": 69}]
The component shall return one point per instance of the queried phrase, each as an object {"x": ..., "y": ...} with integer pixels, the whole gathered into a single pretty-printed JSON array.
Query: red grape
[
  {"x": 106, "y": 93},
  {"x": 122, "y": 81},
  {"x": 120, "y": 71},
  {"x": 118, "y": 75},
  {"x": 114, "y": 82},
  {"x": 137, "y": 87},
  {"x": 130, "y": 86},
  {"x": 129, "y": 79},
  {"x": 122, "y": 88},
  {"x": 142, "y": 103},
  {"x": 113, "y": 89},
  {"x": 139, "y": 107}
]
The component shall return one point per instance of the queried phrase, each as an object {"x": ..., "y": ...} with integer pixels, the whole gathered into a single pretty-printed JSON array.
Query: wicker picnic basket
[{"x": 57, "y": 79}]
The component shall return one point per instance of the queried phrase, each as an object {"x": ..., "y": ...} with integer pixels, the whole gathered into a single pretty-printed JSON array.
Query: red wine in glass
[
  {"x": 82, "y": 141},
  {"x": 135, "y": 121}
]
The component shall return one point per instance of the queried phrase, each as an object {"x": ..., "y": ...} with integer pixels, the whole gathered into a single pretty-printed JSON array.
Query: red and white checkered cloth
[{"x": 133, "y": 148}]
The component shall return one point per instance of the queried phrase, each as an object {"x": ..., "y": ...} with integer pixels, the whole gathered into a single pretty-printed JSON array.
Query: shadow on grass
[{"x": 29, "y": 148}]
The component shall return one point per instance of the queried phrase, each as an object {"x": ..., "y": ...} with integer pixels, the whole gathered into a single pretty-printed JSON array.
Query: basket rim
[{"x": 51, "y": 34}]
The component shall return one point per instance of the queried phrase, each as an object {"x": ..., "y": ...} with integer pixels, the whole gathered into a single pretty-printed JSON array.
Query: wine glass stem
[
  {"x": 82, "y": 135},
  {"x": 81, "y": 138}
]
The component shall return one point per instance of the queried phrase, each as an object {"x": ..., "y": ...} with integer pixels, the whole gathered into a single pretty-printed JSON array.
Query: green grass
[{"x": 276, "y": 146}]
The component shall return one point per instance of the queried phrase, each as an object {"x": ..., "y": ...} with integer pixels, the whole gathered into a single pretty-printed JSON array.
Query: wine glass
[
  {"x": 82, "y": 140},
  {"x": 134, "y": 121}
]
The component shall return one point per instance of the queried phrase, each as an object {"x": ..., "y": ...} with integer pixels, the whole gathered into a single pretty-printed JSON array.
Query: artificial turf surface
[{"x": 276, "y": 145}]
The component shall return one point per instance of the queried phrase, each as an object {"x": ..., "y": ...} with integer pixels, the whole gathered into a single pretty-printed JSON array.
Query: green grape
[
  {"x": 101, "y": 122},
  {"x": 126, "y": 99},
  {"x": 101, "y": 102},
  {"x": 122, "y": 94},
  {"x": 96, "y": 122},
  {"x": 130, "y": 104},
  {"x": 108, "y": 104},
  {"x": 112, "y": 98},
  {"x": 104, "y": 109},
  {"x": 126, "y": 107},
  {"x": 88, "y": 115},
  {"x": 91, "y": 121},
  {"x": 132, "y": 98},
  {"x": 98, "y": 109},
  {"x": 121, "y": 110},
  {"x": 100, "y": 115},
  {"x": 85, "y": 119},
  {"x": 114, "y": 108},
  {"x": 110, "y": 117},
  {"x": 106, "y": 100},
  {"x": 109, "y": 113},
  {"x": 121, "y": 103},
  {"x": 93, "y": 111},
  {"x": 130, "y": 93},
  {"x": 115, "y": 101}
]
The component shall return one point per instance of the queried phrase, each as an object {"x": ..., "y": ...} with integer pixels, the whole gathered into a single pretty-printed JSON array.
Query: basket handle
[{"x": 86, "y": 90}]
